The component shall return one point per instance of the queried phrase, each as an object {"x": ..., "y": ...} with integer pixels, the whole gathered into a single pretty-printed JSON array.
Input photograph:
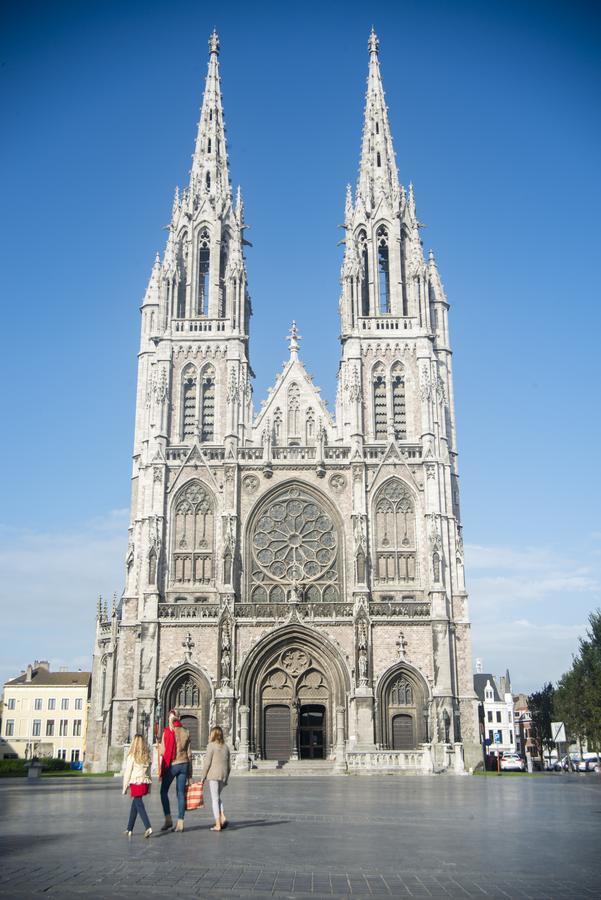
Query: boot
[
  {"x": 179, "y": 825},
  {"x": 168, "y": 824}
]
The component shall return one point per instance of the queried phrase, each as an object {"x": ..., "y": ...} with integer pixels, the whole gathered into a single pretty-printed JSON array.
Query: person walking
[
  {"x": 137, "y": 778},
  {"x": 176, "y": 764},
  {"x": 216, "y": 770}
]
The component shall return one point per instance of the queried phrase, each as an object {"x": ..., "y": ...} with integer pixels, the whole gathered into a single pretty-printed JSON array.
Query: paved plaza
[{"x": 445, "y": 836}]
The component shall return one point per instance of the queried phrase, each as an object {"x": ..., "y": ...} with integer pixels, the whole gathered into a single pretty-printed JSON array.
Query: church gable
[{"x": 294, "y": 413}]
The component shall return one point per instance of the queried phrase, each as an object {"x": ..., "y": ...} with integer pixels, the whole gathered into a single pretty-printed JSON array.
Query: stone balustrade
[
  {"x": 418, "y": 761},
  {"x": 199, "y": 325},
  {"x": 385, "y": 323},
  {"x": 189, "y": 610}
]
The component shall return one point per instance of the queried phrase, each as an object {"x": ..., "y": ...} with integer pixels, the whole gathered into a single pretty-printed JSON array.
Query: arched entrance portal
[
  {"x": 292, "y": 682},
  {"x": 187, "y": 690},
  {"x": 402, "y": 703}
]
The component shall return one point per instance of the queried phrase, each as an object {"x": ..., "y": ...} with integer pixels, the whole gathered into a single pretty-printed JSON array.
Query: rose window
[{"x": 294, "y": 543}]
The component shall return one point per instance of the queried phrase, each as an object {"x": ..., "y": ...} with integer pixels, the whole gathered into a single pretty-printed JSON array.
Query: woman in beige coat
[{"x": 216, "y": 770}]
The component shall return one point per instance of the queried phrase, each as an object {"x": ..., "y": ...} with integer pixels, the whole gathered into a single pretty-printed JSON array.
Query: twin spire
[
  {"x": 210, "y": 172},
  {"x": 378, "y": 171}
]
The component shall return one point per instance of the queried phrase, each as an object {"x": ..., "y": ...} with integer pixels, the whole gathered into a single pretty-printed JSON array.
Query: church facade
[{"x": 293, "y": 576}]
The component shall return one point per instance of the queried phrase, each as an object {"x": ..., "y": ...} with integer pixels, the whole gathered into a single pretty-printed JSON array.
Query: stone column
[
  {"x": 242, "y": 761},
  {"x": 340, "y": 755},
  {"x": 427, "y": 761}
]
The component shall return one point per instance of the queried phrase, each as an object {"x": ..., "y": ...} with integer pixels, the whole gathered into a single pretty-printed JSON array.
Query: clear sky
[{"x": 495, "y": 113}]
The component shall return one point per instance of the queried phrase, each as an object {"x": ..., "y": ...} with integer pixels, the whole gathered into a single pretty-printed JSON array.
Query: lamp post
[{"x": 130, "y": 715}]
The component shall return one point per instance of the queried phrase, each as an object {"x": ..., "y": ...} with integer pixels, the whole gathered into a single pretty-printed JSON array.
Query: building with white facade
[
  {"x": 293, "y": 575},
  {"x": 45, "y": 714},
  {"x": 496, "y": 701}
]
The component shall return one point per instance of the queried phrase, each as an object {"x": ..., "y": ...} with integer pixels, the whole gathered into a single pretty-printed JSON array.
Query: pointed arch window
[
  {"x": 204, "y": 262},
  {"x": 380, "y": 405},
  {"x": 193, "y": 535},
  {"x": 181, "y": 277},
  {"x": 223, "y": 255},
  {"x": 310, "y": 427},
  {"x": 399, "y": 410},
  {"x": 209, "y": 145},
  {"x": 395, "y": 534},
  {"x": 189, "y": 398},
  {"x": 208, "y": 181},
  {"x": 383, "y": 271},
  {"x": 364, "y": 256},
  {"x": 277, "y": 426},
  {"x": 207, "y": 428},
  {"x": 293, "y": 411},
  {"x": 378, "y": 159}
]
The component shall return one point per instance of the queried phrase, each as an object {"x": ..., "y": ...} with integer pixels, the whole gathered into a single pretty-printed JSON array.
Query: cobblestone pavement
[{"x": 444, "y": 837}]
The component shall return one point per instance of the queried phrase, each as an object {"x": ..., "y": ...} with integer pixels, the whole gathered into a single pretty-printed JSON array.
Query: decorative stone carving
[
  {"x": 188, "y": 645},
  {"x": 295, "y": 661},
  {"x": 337, "y": 482},
  {"x": 251, "y": 483}
]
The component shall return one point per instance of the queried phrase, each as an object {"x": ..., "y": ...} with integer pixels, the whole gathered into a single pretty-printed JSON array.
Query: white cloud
[
  {"x": 529, "y": 606},
  {"x": 48, "y": 589}
]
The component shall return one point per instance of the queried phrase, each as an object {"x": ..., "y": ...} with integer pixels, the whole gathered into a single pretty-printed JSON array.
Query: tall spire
[
  {"x": 378, "y": 172},
  {"x": 210, "y": 173}
]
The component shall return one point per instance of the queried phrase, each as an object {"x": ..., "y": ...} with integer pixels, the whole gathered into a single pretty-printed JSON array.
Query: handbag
[{"x": 194, "y": 795}]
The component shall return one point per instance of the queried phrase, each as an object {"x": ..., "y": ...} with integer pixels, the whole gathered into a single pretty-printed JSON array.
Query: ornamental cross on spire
[
  {"x": 293, "y": 338},
  {"x": 214, "y": 42}
]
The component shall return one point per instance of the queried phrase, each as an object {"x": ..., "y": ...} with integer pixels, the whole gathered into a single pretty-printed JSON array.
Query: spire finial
[
  {"x": 373, "y": 43},
  {"x": 214, "y": 43},
  {"x": 293, "y": 338}
]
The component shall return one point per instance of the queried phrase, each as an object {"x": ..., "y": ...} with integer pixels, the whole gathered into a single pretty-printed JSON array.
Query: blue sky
[{"x": 495, "y": 117}]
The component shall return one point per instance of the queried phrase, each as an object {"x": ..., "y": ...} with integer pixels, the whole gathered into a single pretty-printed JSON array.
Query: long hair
[
  {"x": 139, "y": 750},
  {"x": 216, "y": 735}
]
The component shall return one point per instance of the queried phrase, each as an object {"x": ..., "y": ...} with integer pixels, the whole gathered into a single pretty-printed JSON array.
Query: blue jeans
[
  {"x": 137, "y": 809},
  {"x": 179, "y": 771}
]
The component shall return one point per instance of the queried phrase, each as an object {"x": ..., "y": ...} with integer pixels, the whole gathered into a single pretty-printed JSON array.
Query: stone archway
[
  {"x": 188, "y": 690},
  {"x": 292, "y": 682},
  {"x": 402, "y": 695}
]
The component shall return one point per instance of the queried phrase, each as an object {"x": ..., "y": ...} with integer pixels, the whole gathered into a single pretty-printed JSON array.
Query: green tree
[
  {"x": 578, "y": 696},
  {"x": 540, "y": 704}
]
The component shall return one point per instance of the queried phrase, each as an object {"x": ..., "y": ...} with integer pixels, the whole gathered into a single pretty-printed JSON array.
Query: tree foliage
[
  {"x": 578, "y": 696},
  {"x": 540, "y": 704}
]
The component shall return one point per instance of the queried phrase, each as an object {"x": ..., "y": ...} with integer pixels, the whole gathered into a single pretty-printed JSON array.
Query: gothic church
[{"x": 292, "y": 576}]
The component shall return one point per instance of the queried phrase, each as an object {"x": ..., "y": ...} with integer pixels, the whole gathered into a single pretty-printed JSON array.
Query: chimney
[
  {"x": 479, "y": 666},
  {"x": 43, "y": 664},
  {"x": 29, "y": 672}
]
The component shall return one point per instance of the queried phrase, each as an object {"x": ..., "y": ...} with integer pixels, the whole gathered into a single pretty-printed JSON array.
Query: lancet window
[
  {"x": 399, "y": 410},
  {"x": 380, "y": 404},
  {"x": 204, "y": 262},
  {"x": 401, "y": 693},
  {"x": 294, "y": 550},
  {"x": 383, "y": 270},
  {"x": 223, "y": 254},
  {"x": 180, "y": 278},
  {"x": 207, "y": 425},
  {"x": 277, "y": 427},
  {"x": 189, "y": 400},
  {"x": 193, "y": 536},
  {"x": 293, "y": 411},
  {"x": 310, "y": 426},
  {"x": 395, "y": 534},
  {"x": 364, "y": 256}
]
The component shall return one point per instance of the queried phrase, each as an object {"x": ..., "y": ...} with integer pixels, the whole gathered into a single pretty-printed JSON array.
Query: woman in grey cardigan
[{"x": 216, "y": 770}]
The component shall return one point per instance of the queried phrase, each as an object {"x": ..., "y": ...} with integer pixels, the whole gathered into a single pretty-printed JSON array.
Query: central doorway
[{"x": 312, "y": 731}]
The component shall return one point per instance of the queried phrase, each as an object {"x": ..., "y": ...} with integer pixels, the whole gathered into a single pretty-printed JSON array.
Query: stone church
[{"x": 293, "y": 576}]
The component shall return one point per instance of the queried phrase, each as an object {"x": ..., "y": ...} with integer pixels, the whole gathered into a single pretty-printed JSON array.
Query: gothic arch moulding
[
  {"x": 188, "y": 689},
  {"x": 294, "y": 542},
  {"x": 290, "y": 668},
  {"x": 192, "y": 535},
  {"x": 403, "y": 698}
]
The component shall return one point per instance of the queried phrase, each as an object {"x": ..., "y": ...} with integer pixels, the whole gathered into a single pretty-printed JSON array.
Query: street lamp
[
  {"x": 426, "y": 715},
  {"x": 130, "y": 715}
]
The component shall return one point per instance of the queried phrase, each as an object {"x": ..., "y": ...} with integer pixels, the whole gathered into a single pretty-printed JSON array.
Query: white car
[
  {"x": 589, "y": 763},
  {"x": 511, "y": 762}
]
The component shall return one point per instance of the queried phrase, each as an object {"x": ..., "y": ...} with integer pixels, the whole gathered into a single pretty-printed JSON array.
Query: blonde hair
[
  {"x": 216, "y": 735},
  {"x": 139, "y": 750}
]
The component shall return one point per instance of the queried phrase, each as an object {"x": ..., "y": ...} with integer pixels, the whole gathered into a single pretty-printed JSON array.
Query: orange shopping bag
[{"x": 194, "y": 795}]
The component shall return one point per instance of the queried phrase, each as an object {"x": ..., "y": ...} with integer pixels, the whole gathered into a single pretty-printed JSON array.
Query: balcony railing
[
  {"x": 199, "y": 325},
  {"x": 177, "y": 611},
  {"x": 385, "y": 323}
]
